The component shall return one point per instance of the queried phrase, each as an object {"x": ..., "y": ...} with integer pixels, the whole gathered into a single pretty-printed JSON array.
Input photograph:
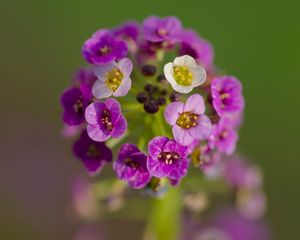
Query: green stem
[{"x": 165, "y": 218}]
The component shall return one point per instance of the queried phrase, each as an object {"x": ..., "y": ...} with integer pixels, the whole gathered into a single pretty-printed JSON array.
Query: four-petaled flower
[
  {"x": 113, "y": 79},
  {"x": 223, "y": 136},
  {"x": 103, "y": 47},
  {"x": 94, "y": 155},
  {"x": 184, "y": 74},
  {"x": 167, "y": 29},
  {"x": 131, "y": 166},
  {"x": 105, "y": 120},
  {"x": 167, "y": 158},
  {"x": 227, "y": 95},
  {"x": 74, "y": 101},
  {"x": 188, "y": 120}
]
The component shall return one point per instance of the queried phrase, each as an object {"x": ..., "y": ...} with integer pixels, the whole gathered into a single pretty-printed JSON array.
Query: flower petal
[
  {"x": 156, "y": 146},
  {"x": 92, "y": 112},
  {"x": 172, "y": 112},
  {"x": 185, "y": 60},
  {"x": 155, "y": 168},
  {"x": 114, "y": 109},
  {"x": 100, "y": 90},
  {"x": 203, "y": 128},
  {"x": 97, "y": 134},
  {"x": 182, "y": 136},
  {"x": 168, "y": 71},
  {"x": 125, "y": 65},
  {"x": 101, "y": 70},
  {"x": 194, "y": 104},
  {"x": 124, "y": 87},
  {"x": 119, "y": 127},
  {"x": 199, "y": 75}
]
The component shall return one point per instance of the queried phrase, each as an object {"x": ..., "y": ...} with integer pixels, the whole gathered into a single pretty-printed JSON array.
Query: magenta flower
[
  {"x": 128, "y": 31},
  {"x": 74, "y": 101},
  {"x": 85, "y": 76},
  {"x": 103, "y": 47},
  {"x": 167, "y": 158},
  {"x": 167, "y": 29},
  {"x": 105, "y": 120},
  {"x": 223, "y": 136},
  {"x": 113, "y": 79},
  {"x": 131, "y": 166},
  {"x": 193, "y": 45},
  {"x": 188, "y": 120},
  {"x": 227, "y": 95},
  {"x": 94, "y": 155}
]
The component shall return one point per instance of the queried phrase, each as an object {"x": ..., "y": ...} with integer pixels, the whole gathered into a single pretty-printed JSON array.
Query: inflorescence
[{"x": 152, "y": 92}]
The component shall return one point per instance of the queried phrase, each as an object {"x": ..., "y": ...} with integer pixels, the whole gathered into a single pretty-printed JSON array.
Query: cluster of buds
[{"x": 161, "y": 113}]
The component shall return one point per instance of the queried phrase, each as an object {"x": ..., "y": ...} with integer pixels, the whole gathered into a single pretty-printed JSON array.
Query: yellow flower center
[
  {"x": 183, "y": 75},
  {"x": 114, "y": 79},
  {"x": 187, "y": 120}
]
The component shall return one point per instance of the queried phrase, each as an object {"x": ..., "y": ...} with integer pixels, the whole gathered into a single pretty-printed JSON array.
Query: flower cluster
[{"x": 161, "y": 113}]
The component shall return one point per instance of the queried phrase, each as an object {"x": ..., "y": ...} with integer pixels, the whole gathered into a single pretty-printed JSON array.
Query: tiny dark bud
[
  {"x": 174, "y": 97},
  {"x": 148, "y": 70},
  {"x": 161, "y": 78},
  {"x": 161, "y": 101},
  {"x": 151, "y": 106},
  {"x": 141, "y": 97},
  {"x": 149, "y": 88}
]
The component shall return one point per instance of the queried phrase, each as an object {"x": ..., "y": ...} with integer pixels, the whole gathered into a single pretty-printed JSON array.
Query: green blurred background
[{"x": 258, "y": 41}]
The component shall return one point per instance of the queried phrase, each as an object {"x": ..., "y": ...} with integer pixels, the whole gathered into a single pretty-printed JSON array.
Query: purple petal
[
  {"x": 139, "y": 180},
  {"x": 203, "y": 128},
  {"x": 93, "y": 166},
  {"x": 194, "y": 104},
  {"x": 93, "y": 111},
  {"x": 119, "y": 127},
  {"x": 114, "y": 108},
  {"x": 97, "y": 134},
  {"x": 178, "y": 169},
  {"x": 155, "y": 168},
  {"x": 182, "y": 135},
  {"x": 156, "y": 146},
  {"x": 172, "y": 112}
]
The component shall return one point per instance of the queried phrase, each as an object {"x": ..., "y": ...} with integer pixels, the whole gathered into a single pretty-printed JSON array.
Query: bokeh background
[{"x": 258, "y": 41}]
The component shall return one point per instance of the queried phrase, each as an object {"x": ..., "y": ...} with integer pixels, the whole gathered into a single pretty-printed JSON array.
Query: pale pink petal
[
  {"x": 97, "y": 134},
  {"x": 172, "y": 112},
  {"x": 194, "y": 104},
  {"x": 182, "y": 136},
  {"x": 203, "y": 128}
]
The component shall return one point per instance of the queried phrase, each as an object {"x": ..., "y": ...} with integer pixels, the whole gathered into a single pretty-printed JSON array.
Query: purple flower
[
  {"x": 167, "y": 158},
  {"x": 193, "y": 45},
  {"x": 188, "y": 121},
  {"x": 239, "y": 174},
  {"x": 231, "y": 225},
  {"x": 93, "y": 154},
  {"x": 131, "y": 166},
  {"x": 223, "y": 136},
  {"x": 227, "y": 95},
  {"x": 113, "y": 79},
  {"x": 105, "y": 120},
  {"x": 129, "y": 32},
  {"x": 103, "y": 47},
  {"x": 74, "y": 101},
  {"x": 162, "y": 29}
]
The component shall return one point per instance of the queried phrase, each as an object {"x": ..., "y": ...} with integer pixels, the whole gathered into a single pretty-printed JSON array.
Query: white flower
[
  {"x": 113, "y": 79},
  {"x": 184, "y": 74}
]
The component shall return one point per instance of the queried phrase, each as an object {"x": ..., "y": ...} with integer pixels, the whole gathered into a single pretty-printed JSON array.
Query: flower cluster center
[
  {"x": 114, "y": 79},
  {"x": 93, "y": 151},
  {"x": 168, "y": 157},
  {"x": 187, "y": 120},
  {"x": 162, "y": 32},
  {"x": 183, "y": 75},
  {"x": 106, "y": 120}
]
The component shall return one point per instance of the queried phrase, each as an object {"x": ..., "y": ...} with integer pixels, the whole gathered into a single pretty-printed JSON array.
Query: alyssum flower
[
  {"x": 184, "y": 74},
  {"x": 105, "y": 120},
  {"x": 188, "y": 120},
  {"x": 131, "y": 166},
  {"x": 113, "y": 79},
  {"x": 167, "y": 158}
]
